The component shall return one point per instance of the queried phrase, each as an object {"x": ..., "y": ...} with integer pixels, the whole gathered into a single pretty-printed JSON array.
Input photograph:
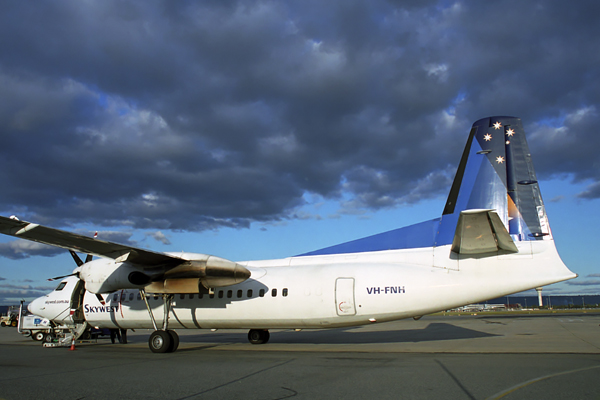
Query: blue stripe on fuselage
[{"x": 413, "y": 236}]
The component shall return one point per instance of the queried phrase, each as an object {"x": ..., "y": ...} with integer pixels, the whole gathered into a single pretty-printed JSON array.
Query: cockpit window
[{"x": 61, "y": 286}]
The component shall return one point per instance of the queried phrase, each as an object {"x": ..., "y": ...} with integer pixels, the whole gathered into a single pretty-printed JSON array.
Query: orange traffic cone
[{"x": 72, "y": 344}]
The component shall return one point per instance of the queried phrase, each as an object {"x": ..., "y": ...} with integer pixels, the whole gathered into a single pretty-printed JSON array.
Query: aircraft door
[
  {"x": 76, "y": 303},
  {"x": 344, "y": 296}
]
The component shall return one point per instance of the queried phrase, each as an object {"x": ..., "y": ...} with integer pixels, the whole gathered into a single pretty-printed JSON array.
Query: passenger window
[
  {"x": 274, "y": 292},
  {"x": 211, "y": 295},
  {"x": 182, "y": 296},
  {"x": 261, "y": 293},
  {"x": 200, "y": 295},
  {"x": 139, "y": 296},
  {"x": 130, "y": 296},
  {"x": 229, "y": 294},
  {"x": 239, "y": 293},
  {"x": 61, "y": 286},
  {"x": 249, "y": 292},
  {"x": 220, "y": 294},
  {"x": 191, "y": 296},
  {"x": 284, "y": 293},
  {"x": 116, "y": 297},
  {"x": 155, "y": 297}
]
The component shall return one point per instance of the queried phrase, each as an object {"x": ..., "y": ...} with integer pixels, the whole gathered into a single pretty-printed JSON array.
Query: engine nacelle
[
  {"x": 193, "y": 275},
  {"x": 106, "y": 276},
  {"x": 212, "y": 271}
]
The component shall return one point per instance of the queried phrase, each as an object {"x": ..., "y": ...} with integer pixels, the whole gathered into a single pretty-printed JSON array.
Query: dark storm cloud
[{"x": 192, "y": 116}]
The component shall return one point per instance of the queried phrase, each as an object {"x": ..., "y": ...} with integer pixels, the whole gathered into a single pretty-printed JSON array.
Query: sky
[{"x": 265, "y": 129}]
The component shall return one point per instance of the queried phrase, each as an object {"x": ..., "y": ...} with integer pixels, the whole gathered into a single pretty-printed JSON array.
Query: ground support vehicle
[{"x": 11, "y": 318}]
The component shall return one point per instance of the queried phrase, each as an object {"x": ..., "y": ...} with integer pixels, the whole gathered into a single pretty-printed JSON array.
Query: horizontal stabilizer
[{"x": 481, "y": 231}]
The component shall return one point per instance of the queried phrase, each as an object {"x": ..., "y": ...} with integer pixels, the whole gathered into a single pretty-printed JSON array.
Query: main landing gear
[
  {"x": 258, "y": 336},
  {"x": 162, "y": 340}
]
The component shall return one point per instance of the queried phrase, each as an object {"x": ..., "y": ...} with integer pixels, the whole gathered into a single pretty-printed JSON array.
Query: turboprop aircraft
[{"x": 492, "y": 239}]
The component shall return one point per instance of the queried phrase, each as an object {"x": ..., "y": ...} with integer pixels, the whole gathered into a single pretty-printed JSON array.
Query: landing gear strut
[
  {"x": 258, "y": 336},
  {"x": 162, "y": 340}
]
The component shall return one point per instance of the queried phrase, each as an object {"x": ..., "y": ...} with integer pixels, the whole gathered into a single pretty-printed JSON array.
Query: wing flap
[
  {"x": 85, "y": 244},
  {"x": 481, "y": 231}
]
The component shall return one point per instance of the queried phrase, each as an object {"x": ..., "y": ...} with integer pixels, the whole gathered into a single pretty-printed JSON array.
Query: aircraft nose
[{"x": 36, "y": 306}]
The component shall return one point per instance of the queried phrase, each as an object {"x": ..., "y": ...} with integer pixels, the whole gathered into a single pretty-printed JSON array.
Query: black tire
[
  {"x": 3, "y": 324},
  {"x": 13, "y": 323},
  {"x": 160, "y": 342},
  {"x": 38, "y": 336},
  {"x": 258, "y": 336},
  {"x": 174, "y": 341},
  {"x": 48, "y": 337}
]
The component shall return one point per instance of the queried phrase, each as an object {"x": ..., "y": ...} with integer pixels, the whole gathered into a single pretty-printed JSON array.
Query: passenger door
[{"x": 344, "y": 296}]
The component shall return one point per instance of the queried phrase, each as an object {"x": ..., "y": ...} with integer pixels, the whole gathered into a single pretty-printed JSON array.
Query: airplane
[{"x": 492, "y": 239}]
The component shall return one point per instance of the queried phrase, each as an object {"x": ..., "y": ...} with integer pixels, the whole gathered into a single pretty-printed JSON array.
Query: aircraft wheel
[
  {"x": 38, "y": 336},
  {"x": 258, "y": 336},
  {"x": 160, "y": 342},
  {"x": 174, "y": 341}
]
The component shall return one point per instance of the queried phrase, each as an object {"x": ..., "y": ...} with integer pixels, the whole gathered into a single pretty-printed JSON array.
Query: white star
[
  {"x": 487, "y": 137},
  {"x": 510, "y": 132},
  {"x": 497, "y": 125},
  {"x": 500, "y": 159}
]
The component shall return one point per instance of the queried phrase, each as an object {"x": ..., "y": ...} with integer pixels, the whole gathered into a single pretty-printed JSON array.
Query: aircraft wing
[
  {"x": 85, "y": 244},
  {"x": 481, "y": 231}
]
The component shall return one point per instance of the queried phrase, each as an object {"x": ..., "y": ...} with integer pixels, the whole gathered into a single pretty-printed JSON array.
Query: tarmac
[{"x": 485, "y": 356}]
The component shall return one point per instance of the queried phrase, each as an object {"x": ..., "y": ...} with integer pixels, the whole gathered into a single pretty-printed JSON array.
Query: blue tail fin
[{"x": 495, "y": 173}]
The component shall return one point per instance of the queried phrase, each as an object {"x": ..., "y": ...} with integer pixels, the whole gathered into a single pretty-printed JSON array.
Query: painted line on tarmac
[{"x": 541, "y": 378}]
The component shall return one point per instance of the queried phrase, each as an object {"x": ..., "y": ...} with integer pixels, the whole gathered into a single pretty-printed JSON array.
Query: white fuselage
[{"x": 329, "y": 291}]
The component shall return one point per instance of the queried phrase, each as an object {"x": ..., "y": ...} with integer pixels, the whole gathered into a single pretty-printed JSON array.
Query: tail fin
[
  {"x": 496, "y": 173},
  {"x": 495, "y": 181}
]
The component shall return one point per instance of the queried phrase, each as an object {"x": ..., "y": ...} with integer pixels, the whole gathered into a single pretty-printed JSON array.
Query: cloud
[
  {"x": 14, "y": 293},
  {"x": 159, "y": 237},
  {"x": 20, "y": 249},
  {"x": 581, "y": 282},
  {"x": 192, "y": 116}
]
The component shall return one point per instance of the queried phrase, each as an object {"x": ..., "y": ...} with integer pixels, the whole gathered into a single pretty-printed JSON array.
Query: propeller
[{"x": 79, "y": 263}]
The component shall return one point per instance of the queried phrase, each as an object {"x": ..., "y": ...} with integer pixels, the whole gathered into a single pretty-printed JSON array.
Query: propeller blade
[
  {"x": 64, "y": 276},
  {"x": 76, "y": 258},
  {"x": 100, "y": 298}
]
